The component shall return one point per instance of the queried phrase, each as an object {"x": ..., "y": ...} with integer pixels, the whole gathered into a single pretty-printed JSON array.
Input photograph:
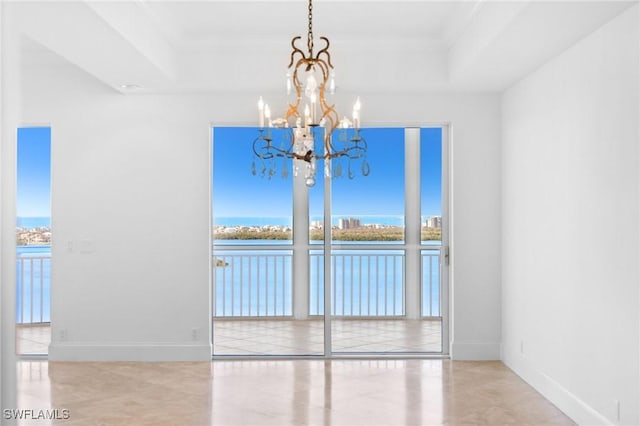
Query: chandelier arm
[
  {"x": 268, "y": 151},
  {"x": 325, "y": 74},
  {"x": 329, "y": 112},
  {"x": 293, "y": 110},
  {"x": 272, "y": 152},
  {"x": 325, "y": 51},
  {"x": 262, "y": 152},
  {"x": 328, "y": 147},
  {"x": 295, "y": 51},
  {"x": 347, "y": 152}
]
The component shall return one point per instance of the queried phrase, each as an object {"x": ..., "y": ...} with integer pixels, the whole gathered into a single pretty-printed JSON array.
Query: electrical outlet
[
  {"x": 195, "y": 334},
  {"x": 522, "y": 347},
  {"x": 62, "y": 334}
]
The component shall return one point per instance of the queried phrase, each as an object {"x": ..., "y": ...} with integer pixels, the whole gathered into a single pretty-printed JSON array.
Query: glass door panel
[
  {"x": 367, "y": 256},
  {"x": 432, "y": 237},
  {"x": 260, "y": 302}
]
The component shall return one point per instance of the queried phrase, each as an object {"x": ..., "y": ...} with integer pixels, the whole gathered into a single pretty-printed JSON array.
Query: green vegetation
[
  {"x": 251, "y": 234},
  {"x": 431, "y": 234},
  {"x": 395, "y": 233},
  {"x": 390, "y": 233}
]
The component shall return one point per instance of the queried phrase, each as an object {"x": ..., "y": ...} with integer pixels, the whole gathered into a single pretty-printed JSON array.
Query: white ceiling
[
  {"x": 188, "y": 24},
  {"x": 376, "y": 46}
]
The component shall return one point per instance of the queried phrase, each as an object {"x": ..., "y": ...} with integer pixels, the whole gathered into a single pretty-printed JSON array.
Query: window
[{"x": 33, "y": 239}]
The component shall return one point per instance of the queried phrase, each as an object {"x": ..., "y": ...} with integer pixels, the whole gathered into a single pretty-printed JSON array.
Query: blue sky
[
  {"x": 238, "y": 193},
  {"x": 431, "y": 171},
  {"x": 34, "y": 172}
]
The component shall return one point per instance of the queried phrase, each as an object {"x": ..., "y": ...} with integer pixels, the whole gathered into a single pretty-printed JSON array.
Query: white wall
[
  {"x": 570, "y": 215},
  {"x": 130, "y": 184},
  {"x": 130, "y": 215},
  {"x": 9, "y": 113}
]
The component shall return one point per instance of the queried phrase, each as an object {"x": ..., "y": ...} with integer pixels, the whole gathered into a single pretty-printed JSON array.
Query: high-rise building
[
  {"x": 434, "y": 222},
  {"x": 349, "y": 223}
]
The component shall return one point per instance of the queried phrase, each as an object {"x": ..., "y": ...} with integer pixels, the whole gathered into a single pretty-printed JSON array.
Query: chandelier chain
[{"x": 310, "y": 32}]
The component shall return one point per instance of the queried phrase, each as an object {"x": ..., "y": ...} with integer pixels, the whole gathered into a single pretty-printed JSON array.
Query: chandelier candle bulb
[
  {"x": 356, "y": 113},
  {"x": 267, "y": 115},
  {"x": 332, "y": 83},
  {"x": 313, "y": 108},
  {"x": 260, "y": 112}
]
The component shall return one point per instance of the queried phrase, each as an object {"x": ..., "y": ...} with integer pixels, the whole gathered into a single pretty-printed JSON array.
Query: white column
[
  {"x": 327, "y": 263},
  {"x": 412, "y": 221},
  {"x": 300, "y": 245}
]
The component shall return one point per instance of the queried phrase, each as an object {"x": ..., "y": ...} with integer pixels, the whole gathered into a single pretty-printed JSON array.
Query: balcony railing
[
  {"x": 365, "y": 283},
  {"x": 259, "y": 284},
  {"x": 252, "y": 283},
  {"x": 33, "y": 295},
  {"x": 431, "y": 294}
]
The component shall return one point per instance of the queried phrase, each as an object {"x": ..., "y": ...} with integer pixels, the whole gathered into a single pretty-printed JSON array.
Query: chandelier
[{"x": 307, "y": 118}]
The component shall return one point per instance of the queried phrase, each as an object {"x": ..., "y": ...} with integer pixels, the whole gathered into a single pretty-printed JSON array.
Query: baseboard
[
  {"x": 574, "y": 407},
  {"x": 70, "y": 351},
  {"x": 475, "y": 351}
]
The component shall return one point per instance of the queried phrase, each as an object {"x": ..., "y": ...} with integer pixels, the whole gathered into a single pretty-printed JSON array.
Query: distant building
[
  {"x": 316, "y": 224},
  {"x": 433, "y": 222},
  {"x": 349, "y": 223}
]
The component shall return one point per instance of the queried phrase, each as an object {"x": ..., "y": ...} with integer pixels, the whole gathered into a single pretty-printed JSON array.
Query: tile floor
[
  {"x": 279, "y": 392},
  {"x": 33, "y": 339},
  {"x": 291, "y": 337}
]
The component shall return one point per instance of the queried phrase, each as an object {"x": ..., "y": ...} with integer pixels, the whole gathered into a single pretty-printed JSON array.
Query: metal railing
[
  {"x": 364, "y": 283},
  {"x": 33, "y": 289},
  {"x": 258, "y": 283},
  {"x": 431, "y": 294},
  {"x": 252, "y": 283}
]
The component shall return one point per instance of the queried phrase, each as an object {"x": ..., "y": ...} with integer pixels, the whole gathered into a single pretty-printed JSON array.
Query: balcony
[{"x": 257, "y": 308}]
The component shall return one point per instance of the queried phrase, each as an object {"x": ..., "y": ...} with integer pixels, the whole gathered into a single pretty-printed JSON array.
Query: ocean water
[
  {"x": 33, "y": 222},
  {"x": 33, "y": 284},
  {"x": 365, "y": 282}
]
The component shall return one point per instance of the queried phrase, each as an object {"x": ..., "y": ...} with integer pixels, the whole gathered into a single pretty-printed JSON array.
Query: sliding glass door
[{"x": 381, "y": 272}]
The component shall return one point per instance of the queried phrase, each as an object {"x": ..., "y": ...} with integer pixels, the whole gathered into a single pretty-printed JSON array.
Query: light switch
[{"x": 87, "y": 246}]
